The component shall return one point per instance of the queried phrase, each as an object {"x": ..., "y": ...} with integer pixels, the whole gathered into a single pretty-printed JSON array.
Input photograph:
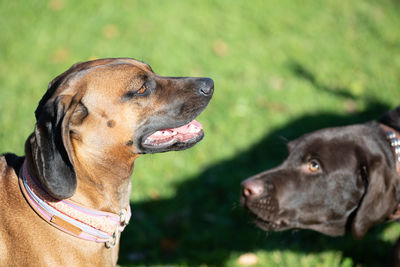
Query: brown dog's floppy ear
[
  {"x": 379, "y": 200},
  {"x": 52, "y": 151},
  {"x": 52, "y": 154}
]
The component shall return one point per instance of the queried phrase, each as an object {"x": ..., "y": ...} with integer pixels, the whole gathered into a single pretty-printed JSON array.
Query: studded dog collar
[{"x": 394, "y": 139}]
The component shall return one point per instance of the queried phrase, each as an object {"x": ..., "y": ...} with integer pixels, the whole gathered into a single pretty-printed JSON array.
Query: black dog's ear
[
  {"x": 380, "y": 198},
  {"x": 392, "y": 118}
]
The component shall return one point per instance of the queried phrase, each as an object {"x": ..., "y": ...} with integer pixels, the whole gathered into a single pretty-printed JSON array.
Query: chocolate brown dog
[
  {"x": 332, "y": 179},
  {"x": 67, "y": 200}
]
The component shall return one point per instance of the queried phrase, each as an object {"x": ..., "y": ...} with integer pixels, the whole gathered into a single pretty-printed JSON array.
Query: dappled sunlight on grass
[{"x": 280, "y": 69}]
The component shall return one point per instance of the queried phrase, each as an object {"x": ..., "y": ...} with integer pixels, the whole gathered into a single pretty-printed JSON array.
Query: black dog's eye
[{"x": 313, "y": 166}]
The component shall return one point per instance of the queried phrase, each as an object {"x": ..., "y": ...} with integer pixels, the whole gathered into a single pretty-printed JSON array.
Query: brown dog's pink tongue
[
  {"x": 182, "y": 133},
  {"x": 192, "y": 127}
]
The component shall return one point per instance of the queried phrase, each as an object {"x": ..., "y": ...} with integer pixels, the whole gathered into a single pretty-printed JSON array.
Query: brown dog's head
[
  {"x": 332, "y": 179},
  {"x": 102, "y": 114}
]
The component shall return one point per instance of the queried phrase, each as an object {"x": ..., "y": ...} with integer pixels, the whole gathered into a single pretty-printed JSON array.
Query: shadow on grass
[{"x": 204, "y": 222}]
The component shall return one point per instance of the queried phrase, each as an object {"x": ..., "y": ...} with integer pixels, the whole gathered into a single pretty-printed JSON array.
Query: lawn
[{"x": 281, "y": 69}]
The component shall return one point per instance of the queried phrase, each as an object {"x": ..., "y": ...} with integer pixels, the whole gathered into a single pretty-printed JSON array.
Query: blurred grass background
[{"x": 281, "y": 68}]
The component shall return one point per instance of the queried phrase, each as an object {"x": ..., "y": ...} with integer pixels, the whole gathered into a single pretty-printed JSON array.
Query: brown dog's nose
[
  {"x": 206, "y": 86},
  {"x": 252, "y": 188}
]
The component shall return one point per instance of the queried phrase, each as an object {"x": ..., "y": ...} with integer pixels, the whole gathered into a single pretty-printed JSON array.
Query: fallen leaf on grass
[
  {"x": 56, "y": 5},
  {"x": 154, "y": 194},
  {"x": 220, "y": 48},
  {"x": 169, "y": 245},
  {"x": 110, "y": 31},
  {"x": 248, "y": 259},
  {"x": 60, "y": 55}
]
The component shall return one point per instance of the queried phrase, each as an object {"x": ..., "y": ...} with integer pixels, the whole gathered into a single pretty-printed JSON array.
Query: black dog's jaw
[{"x": 331, "y": 179}]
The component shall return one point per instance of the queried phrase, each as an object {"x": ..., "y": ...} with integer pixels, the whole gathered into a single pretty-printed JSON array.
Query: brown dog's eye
[
  {"x": 313, "y": 166},
  {"x": 142, "y": 89}
]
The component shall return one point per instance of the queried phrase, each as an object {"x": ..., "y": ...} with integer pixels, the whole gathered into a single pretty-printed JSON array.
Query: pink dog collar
[{"x": 72, "y": 218}]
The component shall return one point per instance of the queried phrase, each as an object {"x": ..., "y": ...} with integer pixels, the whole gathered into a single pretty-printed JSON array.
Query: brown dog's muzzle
[
  {"x": 173, "y": 125},
  {"x": 206, "y": 86}
]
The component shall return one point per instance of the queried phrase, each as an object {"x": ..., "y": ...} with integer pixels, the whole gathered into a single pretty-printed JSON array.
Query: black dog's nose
[
  {"x": 252, "y": 188},
  {"x": 206, "y": 86}
]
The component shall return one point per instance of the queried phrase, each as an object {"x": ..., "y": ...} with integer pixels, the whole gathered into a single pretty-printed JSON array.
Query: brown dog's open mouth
[{"x": 188, "y": 133}]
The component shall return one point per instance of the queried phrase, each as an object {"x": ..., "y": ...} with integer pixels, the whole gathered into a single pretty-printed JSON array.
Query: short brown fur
[{"x": 101, "y": 140}]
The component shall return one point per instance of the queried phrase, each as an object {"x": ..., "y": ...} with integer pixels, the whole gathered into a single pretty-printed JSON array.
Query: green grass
[{"x": 281, "y": 68}]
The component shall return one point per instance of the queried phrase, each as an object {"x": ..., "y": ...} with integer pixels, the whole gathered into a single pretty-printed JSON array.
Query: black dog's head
[{"x": 332, "y": 179}]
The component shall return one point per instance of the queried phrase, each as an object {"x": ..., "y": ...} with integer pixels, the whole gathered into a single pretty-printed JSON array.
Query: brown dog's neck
[
  {"x": 98, "y": 187},
  {"x": 102, "y": 188}
]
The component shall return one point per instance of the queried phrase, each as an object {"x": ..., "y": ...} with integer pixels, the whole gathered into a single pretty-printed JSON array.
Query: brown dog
[{"x": 93, "y": 122}]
